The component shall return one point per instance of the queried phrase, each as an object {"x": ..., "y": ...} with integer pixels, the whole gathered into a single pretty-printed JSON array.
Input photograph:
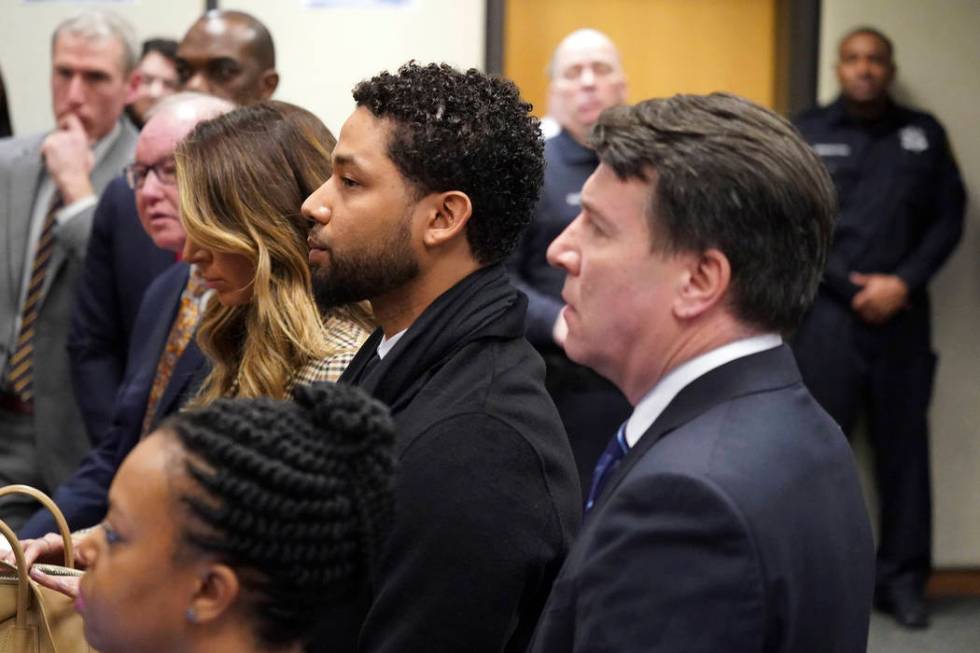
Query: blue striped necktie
[{"x": 608, "y": 462}]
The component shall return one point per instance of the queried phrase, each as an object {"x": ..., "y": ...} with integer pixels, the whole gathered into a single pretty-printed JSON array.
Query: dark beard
[{"x": 365, "y": 274}]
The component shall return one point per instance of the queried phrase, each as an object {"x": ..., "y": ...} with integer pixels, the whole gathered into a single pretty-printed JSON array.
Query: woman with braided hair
[{"x": 236, "y": 526}]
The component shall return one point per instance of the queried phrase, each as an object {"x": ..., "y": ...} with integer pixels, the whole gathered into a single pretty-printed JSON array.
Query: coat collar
[{"x": 764, "y": 371}]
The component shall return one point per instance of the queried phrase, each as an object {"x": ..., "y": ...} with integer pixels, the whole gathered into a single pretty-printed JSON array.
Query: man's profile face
[
  {"x": 89, "y": 82},
  {"x": 616, "y": 288},
  {"x": 157, "y": 199},
  {"x": 361, "y": 240},
  {"x": 865, "y": 69},
  {"x": 587, "y": 79},
  {"x": 216, "y": 57}
]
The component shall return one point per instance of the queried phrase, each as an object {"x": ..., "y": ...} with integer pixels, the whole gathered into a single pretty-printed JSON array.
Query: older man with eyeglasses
[{"x": 131, "y": 313}]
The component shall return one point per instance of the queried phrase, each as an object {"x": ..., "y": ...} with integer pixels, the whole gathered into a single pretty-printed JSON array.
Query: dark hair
[
  {"x": 872, "y": 31},
  {"x": 297, "y": 495},
  {"x": 166, "y": 48},
  {"x": 731, "y": 175},
  {"x": 467, "y": 132}
]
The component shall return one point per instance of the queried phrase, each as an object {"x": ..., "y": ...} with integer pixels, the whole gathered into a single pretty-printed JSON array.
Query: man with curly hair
[{"x": 436, "y": 174}]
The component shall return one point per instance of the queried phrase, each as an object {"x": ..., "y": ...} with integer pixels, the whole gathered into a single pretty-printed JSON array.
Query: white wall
[
  {"x": 25, "y": 46},
  {"x": 937, "y": 50},
  {"x": 322, "y": 53}
]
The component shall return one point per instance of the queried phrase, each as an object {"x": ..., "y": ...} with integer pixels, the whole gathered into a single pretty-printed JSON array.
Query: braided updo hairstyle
[{"x": 296, "y": 494}]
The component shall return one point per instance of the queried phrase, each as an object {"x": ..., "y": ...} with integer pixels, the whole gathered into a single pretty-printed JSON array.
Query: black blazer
[
  {"x": 736, "y": 523},
  {"x": 83, "y": 497},
  {"x": 120, "y": 263}
]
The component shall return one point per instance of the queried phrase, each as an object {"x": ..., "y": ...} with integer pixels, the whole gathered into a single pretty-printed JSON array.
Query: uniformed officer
[
  {"x": 586, "y": 77},
  {"x": 865, "y": 345}
]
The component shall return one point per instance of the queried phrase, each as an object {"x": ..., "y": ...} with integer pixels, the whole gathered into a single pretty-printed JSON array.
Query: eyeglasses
[{"x": 136, "y": 173}]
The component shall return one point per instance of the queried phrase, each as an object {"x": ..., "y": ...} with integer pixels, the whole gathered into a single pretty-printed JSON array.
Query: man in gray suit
[{"x": 49, "y": 185}]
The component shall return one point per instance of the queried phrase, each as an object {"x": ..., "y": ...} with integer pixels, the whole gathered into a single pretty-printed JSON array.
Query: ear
[
  {"x": 268, "y": 83},
  {"x": 133, "y": 86},
  {"x": 705, "y": 284},
  {"x": 217, "y": 590},
  {"x": 447, "y": 217}
]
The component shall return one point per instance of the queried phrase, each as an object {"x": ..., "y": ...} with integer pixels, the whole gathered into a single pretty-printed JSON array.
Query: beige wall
[
  {"x": 937, "y": 51},
  {"x": 25, "y": 47},
  {"x": 321, "y": 53}
]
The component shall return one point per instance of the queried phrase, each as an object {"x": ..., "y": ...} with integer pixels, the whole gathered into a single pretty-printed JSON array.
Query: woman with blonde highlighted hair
[{"x": 242, "y": 178}]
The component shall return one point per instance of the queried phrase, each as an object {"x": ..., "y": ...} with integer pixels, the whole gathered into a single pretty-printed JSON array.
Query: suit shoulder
[{"x": 13, "y": 146}]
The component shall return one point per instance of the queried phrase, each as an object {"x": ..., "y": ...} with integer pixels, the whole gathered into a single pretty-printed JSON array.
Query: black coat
[{"x": 487, "y": 497}]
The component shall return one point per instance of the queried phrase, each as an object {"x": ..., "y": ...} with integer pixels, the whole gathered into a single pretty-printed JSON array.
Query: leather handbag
[{"x": 35, "y": 619}]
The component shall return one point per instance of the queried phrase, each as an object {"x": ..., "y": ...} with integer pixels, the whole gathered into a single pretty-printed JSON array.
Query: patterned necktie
[
  {"x": 608, "y": 462},
  {"x": 20, "y": 366},
  {"x": 181, "y": 331}
]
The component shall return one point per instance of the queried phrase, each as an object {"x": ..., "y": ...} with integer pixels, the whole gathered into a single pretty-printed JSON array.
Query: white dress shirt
[
  {"x": 387, "y": 343},
  {"x": 654, "y": 402}
]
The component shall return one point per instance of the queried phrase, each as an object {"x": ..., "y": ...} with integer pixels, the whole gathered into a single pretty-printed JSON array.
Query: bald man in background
[
  {"x": 586, "y": 77},
  {"x": 229, "y": 54}
]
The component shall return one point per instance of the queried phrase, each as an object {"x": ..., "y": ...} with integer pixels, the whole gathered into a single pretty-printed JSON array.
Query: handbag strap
[
  {"x": 55, "y": 511},
  {"x": 23, "y": 584}
]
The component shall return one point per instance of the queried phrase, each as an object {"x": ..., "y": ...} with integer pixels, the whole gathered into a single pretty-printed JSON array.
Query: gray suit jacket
[{"x": 61, "y": 436}]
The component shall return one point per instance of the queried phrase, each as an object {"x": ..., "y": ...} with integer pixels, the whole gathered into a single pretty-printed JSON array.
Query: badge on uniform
[
  {"x": 832, "y": 149},
  {"x": 913, "y": 139}
]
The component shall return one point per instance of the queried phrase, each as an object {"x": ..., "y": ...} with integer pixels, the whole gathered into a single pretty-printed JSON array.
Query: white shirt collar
[
  {"x": 387, "y": 343},
  {"x": 659, "y": 397}
]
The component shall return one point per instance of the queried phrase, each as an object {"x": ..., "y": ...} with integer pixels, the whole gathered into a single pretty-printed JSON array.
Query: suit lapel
[
  {"x": 25, "y": 178},
  {"x": 185, "y": 374},
  {"x": 766, "y": 370}
]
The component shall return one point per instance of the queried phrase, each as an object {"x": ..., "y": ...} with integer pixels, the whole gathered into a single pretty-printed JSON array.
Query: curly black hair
[
  {"x": 297, "y": 495},
  {"x": 464, "y": 131}
]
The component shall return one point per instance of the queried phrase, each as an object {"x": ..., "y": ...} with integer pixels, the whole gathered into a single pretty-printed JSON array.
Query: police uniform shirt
[
  {"x": 569, "y": 164},
  {"x": 900, "y": 195}
]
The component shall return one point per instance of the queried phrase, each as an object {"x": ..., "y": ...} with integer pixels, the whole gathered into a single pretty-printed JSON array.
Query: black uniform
[
  {"x": 901, "y": 212},
  {"x": 591, "y": 408}
]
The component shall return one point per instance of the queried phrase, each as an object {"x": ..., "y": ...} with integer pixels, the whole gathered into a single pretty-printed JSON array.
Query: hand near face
[
  {"x": 69, "y": 160},
  {"x": 50, "y": 549},
  {"x": 67, "y": 585},
  {"x": 880, "y": 297}
]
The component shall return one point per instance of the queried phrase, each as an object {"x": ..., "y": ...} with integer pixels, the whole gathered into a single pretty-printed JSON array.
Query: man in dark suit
[
  {"x": 726, "y": 513},
  {"x": 83, "y": 497},
  {"x": 121, "y": 260},
  {"x": 49, "y": 185}
]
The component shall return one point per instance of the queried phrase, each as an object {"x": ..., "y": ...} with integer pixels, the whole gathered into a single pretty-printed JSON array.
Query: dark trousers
[
  {"x": 887, "y": 372},
  {"x": 591, "y": 409}
]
